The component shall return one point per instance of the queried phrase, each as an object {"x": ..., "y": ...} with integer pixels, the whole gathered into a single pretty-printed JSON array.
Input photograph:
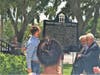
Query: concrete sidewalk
[{"x": 69, "y": 58}]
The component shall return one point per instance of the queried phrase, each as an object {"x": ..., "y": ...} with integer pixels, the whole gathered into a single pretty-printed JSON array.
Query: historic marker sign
[
  {"x": 63, "y": 30},
  {"x": 65, "y": 33}
]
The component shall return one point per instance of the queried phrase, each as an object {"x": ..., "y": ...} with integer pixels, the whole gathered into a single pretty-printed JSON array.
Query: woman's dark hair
[
  {"x": 49, "y": 52},
  {"x": 34, "y": 29}
]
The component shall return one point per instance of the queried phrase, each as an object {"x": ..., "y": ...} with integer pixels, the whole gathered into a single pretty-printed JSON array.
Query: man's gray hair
[
  {"x": 82, "y": 36},
  {"x": 90, "y": 35}
]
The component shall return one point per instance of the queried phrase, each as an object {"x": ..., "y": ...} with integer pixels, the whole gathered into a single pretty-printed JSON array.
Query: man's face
[
  {"x": 84, "y": 41},
  {"x": 89, "y": 40}
]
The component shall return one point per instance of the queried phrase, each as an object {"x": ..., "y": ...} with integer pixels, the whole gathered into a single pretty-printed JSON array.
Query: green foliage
[
  {"x": 10, "y": 64},
  {"x": 89, "y": 26},
  {"x": 27, "y": 33},
  {"x": 98, "y": 29},
  {"x": 8, "y": 30},
  {"x": 3, "y": 4}
]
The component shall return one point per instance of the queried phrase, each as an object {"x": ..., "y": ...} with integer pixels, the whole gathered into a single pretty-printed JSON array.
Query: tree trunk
[
  {"x": 1, "y": 26},
  {"x": 14, "y": 22},
  {"x": 76, "y": 10},
  {"x": 22, "y": 30},
  {"x": 95, "y": 20},
  {"x": 25, "y": 22}
]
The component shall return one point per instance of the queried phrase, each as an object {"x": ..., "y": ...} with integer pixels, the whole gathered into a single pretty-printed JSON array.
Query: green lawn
[{"x": 67, "y": 69}]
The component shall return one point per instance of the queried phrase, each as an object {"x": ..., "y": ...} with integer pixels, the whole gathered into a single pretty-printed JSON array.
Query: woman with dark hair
[
  {"x": 33, "y": 64},
  {"x": 49, "y": 54}
]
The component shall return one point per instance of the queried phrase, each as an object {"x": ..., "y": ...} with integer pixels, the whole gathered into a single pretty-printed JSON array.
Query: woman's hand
[{"x": 29, "y": 70}]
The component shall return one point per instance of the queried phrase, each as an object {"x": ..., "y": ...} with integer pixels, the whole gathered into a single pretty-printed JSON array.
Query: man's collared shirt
[{"x": 85, "y": 49}]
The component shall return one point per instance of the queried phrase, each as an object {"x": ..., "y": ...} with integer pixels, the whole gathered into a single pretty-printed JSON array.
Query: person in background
[
  {"x": 50, "y": 54},
  {"x": 90, "y": 56},
  {"x": 84, "y": 46},
  {"x": 15, "y": 46},
  {"x": 78, "y": 65},
  {"x": 96, "y": 69},
  {"x": 33, "y": 64},
  {"x": 14, "y": 42}
]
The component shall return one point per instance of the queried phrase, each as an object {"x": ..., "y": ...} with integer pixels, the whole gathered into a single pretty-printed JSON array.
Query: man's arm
[{"x": 93, "y": 52}]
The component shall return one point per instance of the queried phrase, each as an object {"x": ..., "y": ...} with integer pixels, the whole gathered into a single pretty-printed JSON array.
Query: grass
[{"x": 67, "y": 69}]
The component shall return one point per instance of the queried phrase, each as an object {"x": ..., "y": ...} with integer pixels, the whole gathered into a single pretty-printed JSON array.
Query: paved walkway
[{"x": 69, "y": 58}]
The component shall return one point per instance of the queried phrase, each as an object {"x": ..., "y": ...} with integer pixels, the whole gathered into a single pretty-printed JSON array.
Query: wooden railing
[{"x": 6, "y": 47}]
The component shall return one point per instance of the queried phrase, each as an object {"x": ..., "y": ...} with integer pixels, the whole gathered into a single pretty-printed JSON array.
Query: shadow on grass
[{"x": 67, "y": 66}]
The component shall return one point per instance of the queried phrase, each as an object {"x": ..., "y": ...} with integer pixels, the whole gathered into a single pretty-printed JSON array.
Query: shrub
[{"x": 11, "y": 64}]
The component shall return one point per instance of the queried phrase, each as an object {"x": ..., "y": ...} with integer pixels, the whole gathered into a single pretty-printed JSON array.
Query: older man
[
  {"x": 78, "y": 65},
  {"x": 96, "y": 69},
  {"x": 91, "y": 55}
]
